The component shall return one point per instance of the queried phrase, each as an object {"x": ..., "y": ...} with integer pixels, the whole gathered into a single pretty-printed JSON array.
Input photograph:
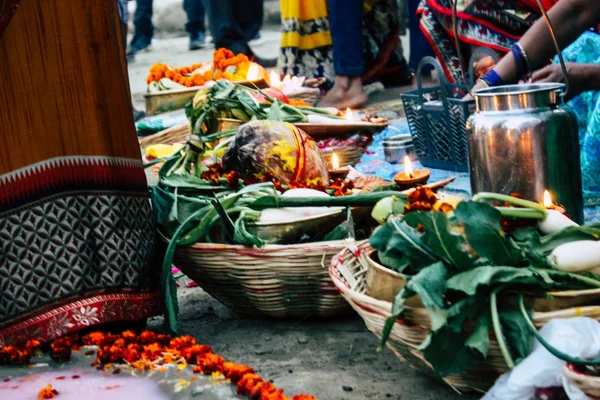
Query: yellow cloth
[
  {"x": 300, "y": 11},
  {"x": 162, "y": 150}
]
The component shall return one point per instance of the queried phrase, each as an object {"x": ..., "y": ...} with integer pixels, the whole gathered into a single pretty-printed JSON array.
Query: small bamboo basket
[
  {"x": 590, "y": 385},
  {"x": 271, "y": 281},
  {"x": 349, "y": 269}
]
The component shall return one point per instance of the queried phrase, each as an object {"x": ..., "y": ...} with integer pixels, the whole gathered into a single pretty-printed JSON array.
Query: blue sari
[{"x": 586, "y": 49}]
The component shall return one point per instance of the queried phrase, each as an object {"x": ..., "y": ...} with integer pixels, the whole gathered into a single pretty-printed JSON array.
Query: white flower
[{"x": 86, "y": 315}]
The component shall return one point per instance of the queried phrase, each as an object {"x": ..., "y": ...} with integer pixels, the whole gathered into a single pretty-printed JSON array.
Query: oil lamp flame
[
  {"x": 253, "y": 71},
  {"x": 348, "y": 114},
  {"x": 547, "y": 199},
  {"x": 408, "y": 169},
  {"x": 275, "y": 80},
  {"x": 335, "y": 162}
]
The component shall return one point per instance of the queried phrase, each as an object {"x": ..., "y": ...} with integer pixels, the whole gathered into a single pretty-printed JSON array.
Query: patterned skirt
[
  {"x": 496, "y": 24},
  {"x": 77, "y": 238},
  {"x": 306, "y": 45}
]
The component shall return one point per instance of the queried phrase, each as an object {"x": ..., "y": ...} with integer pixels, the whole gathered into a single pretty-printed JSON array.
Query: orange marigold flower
[
  {"x": 47, "y": 393},
  {"x": 277, "y": 395},
  {"x": 235, "y": 372},
  {"x": 171, "y": 356},
  {"x": 33, "y": 345},
  {"x": 147, "y": 337},
  {"x": 142, "y": 365},
  {"x": 304, "y": 397},
  {"x": 190, "y": 354},
  {"x": 182, "y": 342},
  {"x": 248, "y": 384},
  {"x": 152, "y": 352},
  {"x": 93, "y": 339},
  {"x": 129, "y": 336},
  {"x": 209, "y": 363}
]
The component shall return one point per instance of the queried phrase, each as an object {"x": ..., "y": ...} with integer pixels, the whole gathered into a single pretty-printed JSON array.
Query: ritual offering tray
[{"x": 475, "y": 280}]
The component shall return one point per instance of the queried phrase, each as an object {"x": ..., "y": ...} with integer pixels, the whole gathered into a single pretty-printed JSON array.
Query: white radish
[
  {"x": 292, "y": 214},
  {"x": 580, "y": 256},
  {"x": 554, "y": 222}
]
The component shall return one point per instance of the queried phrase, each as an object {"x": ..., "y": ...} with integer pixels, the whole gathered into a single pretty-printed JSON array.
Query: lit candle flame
[
  {"x": 408, "y": 170},
  {"x": 253, "y": 72},
  {"x": 348, "y": 114},
  {"x": 335, "y": 162},
  {"x": 547, "y": 199},
  {"x": 275, "y": 80}
]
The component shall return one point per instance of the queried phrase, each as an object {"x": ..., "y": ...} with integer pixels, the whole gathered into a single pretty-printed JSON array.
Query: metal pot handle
[{"x": 550, "y": 28}]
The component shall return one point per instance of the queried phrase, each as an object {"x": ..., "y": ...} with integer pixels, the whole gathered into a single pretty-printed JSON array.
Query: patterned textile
[
  {"x": 7, "y": 9},
  {"x": 586, "y": 49},
  {"x": 497, "y": 24},
  {"x": 75, "y": 232},
  {"x": 306, "y": 39}
]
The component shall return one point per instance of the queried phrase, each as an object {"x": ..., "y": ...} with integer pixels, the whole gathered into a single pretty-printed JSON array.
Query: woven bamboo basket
[
  {"x": 310, "y": 95},
  {"x": 272, "y": 281},
  {"x": 590, "y": 385},
  {"x": 348, "y": 270},
  {"x": 177, "y": 133}
]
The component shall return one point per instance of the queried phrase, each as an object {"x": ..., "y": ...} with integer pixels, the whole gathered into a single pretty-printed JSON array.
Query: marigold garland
[
  {"x": 222, "y": 60},
  {"x": 151, "y": 352}
]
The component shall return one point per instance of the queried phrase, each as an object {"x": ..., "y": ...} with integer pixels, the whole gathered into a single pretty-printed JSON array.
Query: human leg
[
  {"x": 345, "y": 20},
  {"x": 195, "y": 26},
  {"x": 142, "y": 20}
]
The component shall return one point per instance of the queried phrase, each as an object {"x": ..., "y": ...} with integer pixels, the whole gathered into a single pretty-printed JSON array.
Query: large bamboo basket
[
  {"x": 348, "y": 270},
  {"x": 272, "y": 281}
]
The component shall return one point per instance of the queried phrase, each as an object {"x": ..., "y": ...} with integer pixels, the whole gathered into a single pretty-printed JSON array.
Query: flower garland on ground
[
  {"x": 226, "y": 65},
  {"x": 149, "y": 352}
]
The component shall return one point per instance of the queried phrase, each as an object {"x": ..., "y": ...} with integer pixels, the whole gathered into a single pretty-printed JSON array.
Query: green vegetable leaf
[
  {"x": 485, "y": 234},
  {"x": 568, "y": 235},
  {"x": 344, "y": 230},
  {"x": 275, "y": 113},
  {"x": 396, "y": 242},
  {"x": 529, "y": 241},
  {"x": 446, "y": 245},
  {"x": 465, "y": 347},
  {"x": 468, "y": 283},
  {"x": 516, "y": 332}
]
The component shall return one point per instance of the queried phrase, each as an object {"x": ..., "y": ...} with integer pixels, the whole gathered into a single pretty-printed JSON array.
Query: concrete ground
[{"x": 334, "y": 359}]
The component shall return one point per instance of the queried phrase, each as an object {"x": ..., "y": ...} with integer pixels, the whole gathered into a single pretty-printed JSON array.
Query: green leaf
[
  {"x": 446, "y": 245},
  {"x": 529, "y": 241},
  {"x": 468, "y": 283},
  {"x": 451, "y": 351},
  {"x": 396, "y": 242},
  {"x": 568, "y": 235},
  {"x": 344, "y": 230},
  {"x": 516, "y": 332},
  {"x": 485, "y": 234},
  {"x": 275, "y": 113}
]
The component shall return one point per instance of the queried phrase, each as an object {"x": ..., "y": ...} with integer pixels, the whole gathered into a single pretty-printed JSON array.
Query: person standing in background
[
  {"x": 144, "y": 30},
  {"x": 235, "y": 23}
]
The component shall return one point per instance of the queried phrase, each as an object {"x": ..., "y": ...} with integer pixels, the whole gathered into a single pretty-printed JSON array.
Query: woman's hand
[{"x": 579, "y": 76}]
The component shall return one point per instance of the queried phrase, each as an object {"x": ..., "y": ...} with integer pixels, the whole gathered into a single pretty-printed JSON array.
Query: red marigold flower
[
  {"x": 235, "y": 372},
  {"x": 33, "y": 345},
  {"x": 277, "y": 395},
  {"x": 129, "y": 336},
  {"x": 47, "y": 393},
  {"x": 131, "y": 355},
  {"x": 304, "y": 397},
  {"x": 209, "y": 363}
]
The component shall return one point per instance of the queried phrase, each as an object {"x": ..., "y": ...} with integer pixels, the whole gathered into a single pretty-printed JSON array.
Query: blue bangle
[
  {"x": 492, "y": 79},
  {"x": 521, "y": 60}
]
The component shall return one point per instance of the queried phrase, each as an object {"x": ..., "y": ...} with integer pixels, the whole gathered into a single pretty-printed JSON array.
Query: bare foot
[{"x": 346, "y": 92}]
